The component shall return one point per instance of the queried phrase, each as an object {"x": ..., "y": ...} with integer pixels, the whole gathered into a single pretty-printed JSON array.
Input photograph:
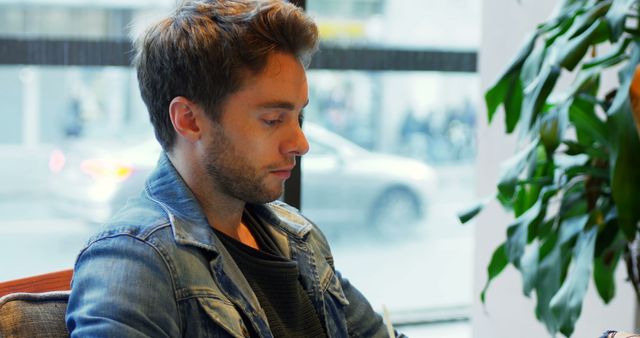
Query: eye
[
  {"x": 272, "y": 122},
  {"x": 301, "y": 118}
]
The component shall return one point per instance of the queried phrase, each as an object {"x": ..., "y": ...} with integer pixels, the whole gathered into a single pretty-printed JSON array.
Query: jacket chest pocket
[{"x": 214, "y": 317}]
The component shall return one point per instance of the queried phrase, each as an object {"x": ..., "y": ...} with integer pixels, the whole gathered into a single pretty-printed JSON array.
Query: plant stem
[{"x": 633, "y": 266}]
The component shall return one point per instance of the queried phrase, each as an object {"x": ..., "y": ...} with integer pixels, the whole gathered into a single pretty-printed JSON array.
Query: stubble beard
[{"x": 233, "y": 175}]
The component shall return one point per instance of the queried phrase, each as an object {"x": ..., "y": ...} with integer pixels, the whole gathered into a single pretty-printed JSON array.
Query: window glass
[
  {"x": 402, "y": 156},
  {"x": 67, "y": 137},
  {"x": 73, "y": 140},
  {"x": 394, "y": 165},
  {"x": 391, "y": 159},
  {"x": 399, "y": 23}
]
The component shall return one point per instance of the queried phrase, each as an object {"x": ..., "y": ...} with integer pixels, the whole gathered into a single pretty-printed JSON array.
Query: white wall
[{"x": 505, "y": 24}]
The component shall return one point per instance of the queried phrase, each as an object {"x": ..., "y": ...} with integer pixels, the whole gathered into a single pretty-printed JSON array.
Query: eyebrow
[{"x": 281, "y": 105}]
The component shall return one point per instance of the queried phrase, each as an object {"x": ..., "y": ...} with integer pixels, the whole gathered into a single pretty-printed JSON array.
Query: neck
[{"x": 223, "y": 212}]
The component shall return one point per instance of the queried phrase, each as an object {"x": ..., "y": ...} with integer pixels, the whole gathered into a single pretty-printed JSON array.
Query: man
[{"x": 205, "y": 251}]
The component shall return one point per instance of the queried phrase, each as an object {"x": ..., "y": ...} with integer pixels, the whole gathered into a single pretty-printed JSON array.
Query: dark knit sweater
[{"x": 274, "y": 280}]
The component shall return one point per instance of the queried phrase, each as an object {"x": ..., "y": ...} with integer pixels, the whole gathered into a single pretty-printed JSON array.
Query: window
[
  {"x": 391, "y": 123},
  {"x": 397, "y": 105}
]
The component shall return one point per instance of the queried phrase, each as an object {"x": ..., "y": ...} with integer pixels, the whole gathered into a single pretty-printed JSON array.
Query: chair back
[{"x": 35, "y": 306}]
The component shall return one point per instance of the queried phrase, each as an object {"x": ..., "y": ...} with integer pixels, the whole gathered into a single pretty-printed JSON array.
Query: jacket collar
[{"x": 188, "y": 222}]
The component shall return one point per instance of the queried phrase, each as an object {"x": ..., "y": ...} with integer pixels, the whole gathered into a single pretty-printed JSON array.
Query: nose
[{"x": 296, "y": 144}]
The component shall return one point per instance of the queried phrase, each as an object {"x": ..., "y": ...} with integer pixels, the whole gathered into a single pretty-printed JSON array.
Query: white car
[{"x": 343, "y": 185}]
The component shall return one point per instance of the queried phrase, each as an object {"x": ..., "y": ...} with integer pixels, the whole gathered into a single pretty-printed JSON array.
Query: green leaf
[
  {"x": 583, "y": 21},
  {"x": 473, "y": 211},
  {"x": 550, "y": 274},
  {"x": 517, "y": 236},
  {"x": 538, "y": 170},
  {"x": 586, "y": 121},
  {"x": 498, "y": 263},
  {"x": 535, "y": 95},
  {"x": 564, "y": 162},
  {"x": 520, "y": 203},
  {"x": 571, "y": 53},
  {"x": 566, "y": 304},
  {"x": 613, "y": 57},
  {"x": 571, "y": 227},
  {"x": 609, "y": 232},
  {"x": 517, "y": 231},
  {"x": 529, "y": 267},
  {"x": 617, "y": 16},
  {"x": 604, "y": 270},
  {"x": 573, "y": 201},
  {"x": 625, "y": 147},
  {"x": 587, "y": 81},
  {"x": 553, "y": 126},
  {"x": 557, "y": 31},
  {"x": 513, "y": 104},
  {"x": 576, "y": 148},
  {"x": 512, "y": 168},
  {"x": 532, "y": 65},
  {"x": 507, "y": 91},
  {"x": 565, "y": 11},
  {"x": 587, "y": 170}
]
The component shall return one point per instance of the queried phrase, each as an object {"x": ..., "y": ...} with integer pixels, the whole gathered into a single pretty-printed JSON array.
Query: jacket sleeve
[
  {"x": 122, "y": 288},
  {"x": 362, "y": 321}
]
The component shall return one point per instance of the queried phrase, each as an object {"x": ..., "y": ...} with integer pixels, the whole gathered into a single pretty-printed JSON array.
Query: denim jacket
[{"x": 158, "y": 270}]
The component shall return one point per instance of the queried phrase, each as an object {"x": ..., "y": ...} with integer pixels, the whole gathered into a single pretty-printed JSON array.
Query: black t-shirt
[{"x": 275, "y": 281}]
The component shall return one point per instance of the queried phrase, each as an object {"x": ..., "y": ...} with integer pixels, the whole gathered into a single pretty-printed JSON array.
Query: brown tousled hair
[{"x": 205, "y": 48}]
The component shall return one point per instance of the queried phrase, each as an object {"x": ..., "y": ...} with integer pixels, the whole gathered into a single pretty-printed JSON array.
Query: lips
[{"x": 283, "y": 172}]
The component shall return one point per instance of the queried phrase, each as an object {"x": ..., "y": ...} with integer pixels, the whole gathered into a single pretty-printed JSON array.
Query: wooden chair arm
[{"x": 54, "y": 281}]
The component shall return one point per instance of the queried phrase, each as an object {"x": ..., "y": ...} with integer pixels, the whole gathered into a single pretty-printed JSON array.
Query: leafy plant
[{"x": 574, "y": 185}]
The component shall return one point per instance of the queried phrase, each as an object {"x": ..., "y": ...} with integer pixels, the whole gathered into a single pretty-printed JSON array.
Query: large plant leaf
[
  {"x": 511, "y": 169},
  {"x": 571, "y": 227},
  {"x": 593, "y": 12},
  {"x": 611, "y": 58},
  {"x": 604, "y": 269},
  {"x": 587, "y": 82},
  {"x": 566, "y": 305},
  {"x": 554, "y": 255},
  {"x": 536, "y": 95},
  {"x": 574, "y": 202},
  {"x": 548, "y": 283},
  {"x": 584, "y": 134},
  {"x": 571, "y": 53},
  {"x": 498, "y": 263},
  {"x": 529, "y": 267},
  {"x": 539, "y": 174},
  {"x": 624, "y": 160},
  {"x": 604, "y": 272},
  {"x": 471, "y": 212},
  {"x": 583, "y": 117},
  {"x": 507, "y": 91},
  {"x": 532, "y": 65},
  {"x": 617, "y": 16},
  {"x": 587, "y": 170},
  {"x": 564, "y": 11},
  {"x": 517, "y": 232},
  {"x": 552, "y": 127}
]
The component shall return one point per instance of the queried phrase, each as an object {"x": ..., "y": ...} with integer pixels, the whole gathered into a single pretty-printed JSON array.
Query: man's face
[{"x": 251, "y": 150}]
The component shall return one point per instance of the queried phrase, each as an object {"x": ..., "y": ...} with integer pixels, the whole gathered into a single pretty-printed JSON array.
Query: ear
[{"x": 185, "y": 116}]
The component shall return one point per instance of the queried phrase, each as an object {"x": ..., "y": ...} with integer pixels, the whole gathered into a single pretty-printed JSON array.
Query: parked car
[{"x": 343, "y": 185}]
